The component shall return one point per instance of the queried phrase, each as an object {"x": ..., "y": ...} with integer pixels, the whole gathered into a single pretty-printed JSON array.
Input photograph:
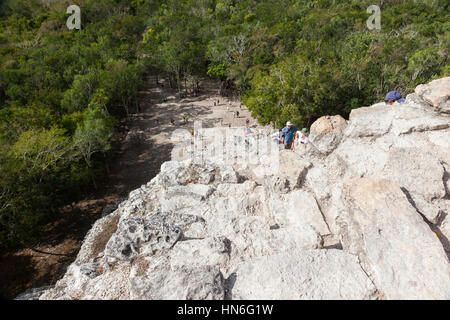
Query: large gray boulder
[
  {"x": 327, "y": 132},
  {"x": 308, "y": 275},
  {"x": 436, "y": 94},
  {"x": 401, "y": 253},
  {"x": 298, "y": 208},
  {"x": 183, "y": 284}
]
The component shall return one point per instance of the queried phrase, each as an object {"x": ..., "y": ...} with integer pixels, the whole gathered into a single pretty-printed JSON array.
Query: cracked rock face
[
  {"x": 361, "y": 213},
  {"x": 303, "y": 275},
  {"x": 436, "y": 94},
  {"x": 135, "y": 236},
  {"x": 406, "y": 260},
  {"x": 327, "y": 132}
]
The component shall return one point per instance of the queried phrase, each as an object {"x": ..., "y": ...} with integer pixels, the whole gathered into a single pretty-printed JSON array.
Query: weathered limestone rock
[
  {"x": 407, "y": 119},
  {"x": 96, "y": 239},
  {"x": 228, "y": 175},
  {"x": 213, "y": 251},
  {"x": 181, "y": 173},
  {"x": 298, "y": 208},
  {"x": 327, "y": 132},
  {"x": 319, "y": 274},
  {"x": 362, "y": 212},
  {"x": 75, "y": 285},
  {"x": 265, "y": 242},
  {"x": 276, "y": 184},
  {"x": 293, "y": 168},
  {"x": 405, "y": 258},
  {"x": 204, "y": 283},
  {"x": 404, "y": 153},
  {"x": 245, "y": 225},
  {"x": 317, "y": 179},
  {"x": 369, "y": 122},
  {"x": 196, "y": 191},
  {"x": 440, "y": 138},
  {"x": 111, "y": 208},
  {"x": 189, "y": 196},
  {"x": 420, "y": 173},
  {"x": 436, "y": 93},
  {"x": 226, "y": 211},
  {"x": 33, "y": 294},
  {"x": 362, "y": 157},
  {"x": 135, "y": 236},
  {"x": 235, "y": 189}
]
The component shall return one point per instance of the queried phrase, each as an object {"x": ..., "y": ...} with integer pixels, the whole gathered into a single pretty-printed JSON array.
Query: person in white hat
[{"x": 288, "y": 134}]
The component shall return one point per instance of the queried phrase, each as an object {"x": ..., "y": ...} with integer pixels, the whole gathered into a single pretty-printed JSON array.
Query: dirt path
[{"x": 140, "y": 150}]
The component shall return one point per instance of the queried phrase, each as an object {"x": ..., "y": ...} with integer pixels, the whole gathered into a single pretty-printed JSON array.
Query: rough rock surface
[
  {"x": 436, "y": 93},
  {"x": 361, "y": 213},
  {"x": 405, "y": 259},
  {"x": 327, "y": 132},
  {"x": 303, "y": 275},
  {"x": 33, "y": 294}
]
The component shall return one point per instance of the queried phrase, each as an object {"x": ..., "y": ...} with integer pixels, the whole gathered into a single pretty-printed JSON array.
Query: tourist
[
  {"x": 288, "y": 134},
  {"x": 391, "y": 98},
  {"x": 302, "y": 137},
  {"x": 278, "y": 137}
]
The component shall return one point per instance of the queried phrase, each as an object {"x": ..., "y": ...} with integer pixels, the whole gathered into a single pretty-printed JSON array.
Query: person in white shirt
[
  {"x": 302, "y": 137},
  {"x": 277, "y": 136}
]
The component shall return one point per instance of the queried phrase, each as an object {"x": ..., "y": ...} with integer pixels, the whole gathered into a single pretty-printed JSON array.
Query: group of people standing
[{"x": 290, "y": 136}]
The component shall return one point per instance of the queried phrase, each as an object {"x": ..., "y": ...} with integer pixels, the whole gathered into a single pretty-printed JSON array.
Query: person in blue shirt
[{"x": 288, "y": 134}]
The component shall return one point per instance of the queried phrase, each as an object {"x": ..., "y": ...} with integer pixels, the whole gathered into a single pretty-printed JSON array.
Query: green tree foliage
[
  {"x": 78, "y": 96},
  {"x": 39, "y": 152},
  {"x": 93, "y": 134},
  {"x": 120, "y": 83},
  {"x": 60, "y": 92},
  {"x": 300, "y": 59},
  {"x": 28, "y": 174}
]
